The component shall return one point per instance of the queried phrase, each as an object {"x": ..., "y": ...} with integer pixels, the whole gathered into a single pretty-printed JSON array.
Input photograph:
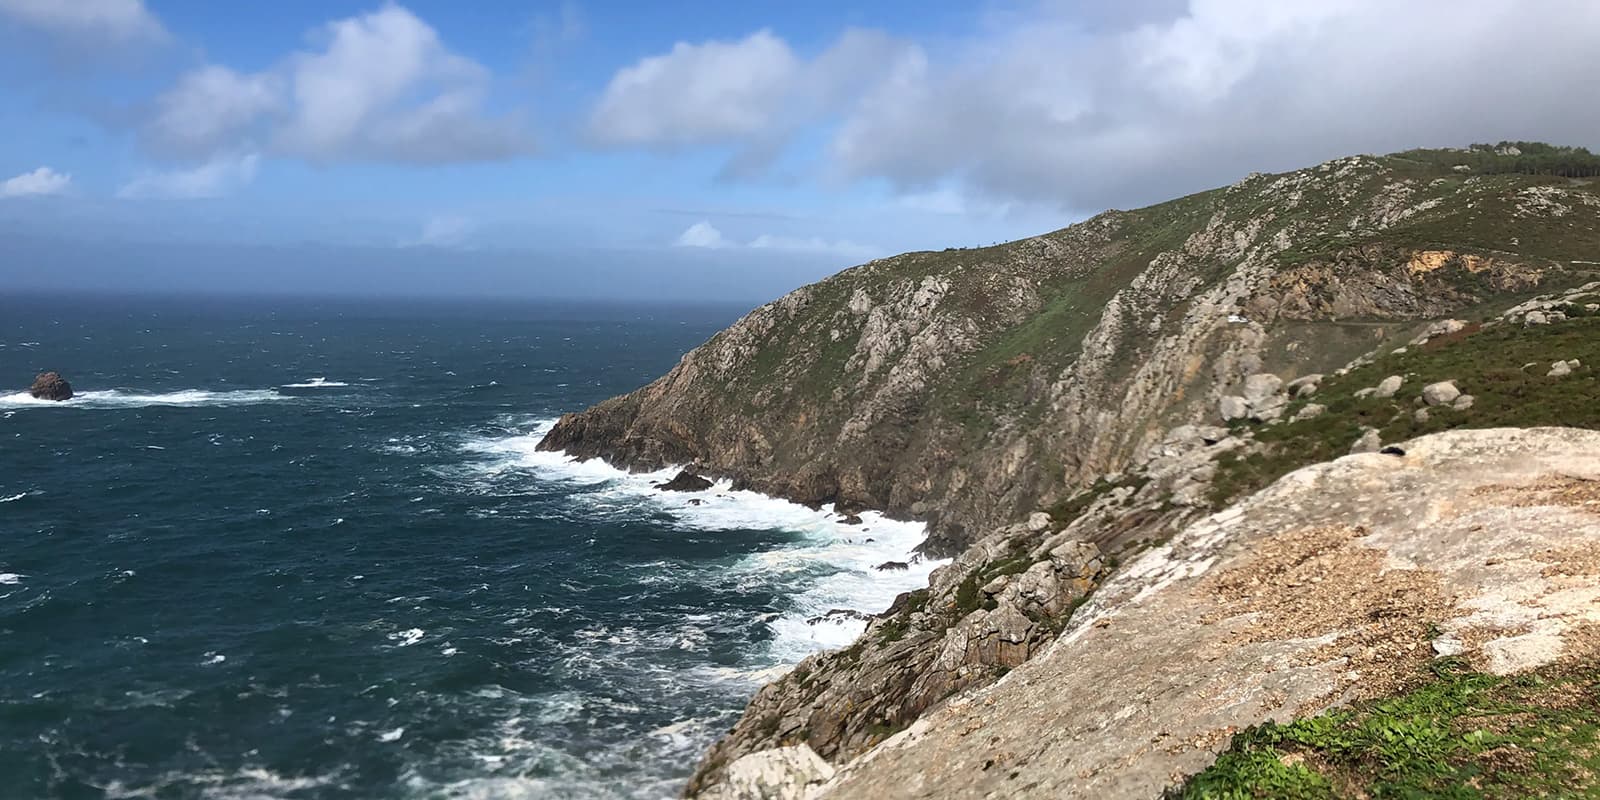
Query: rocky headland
[{"x": 1220, "y": 479}]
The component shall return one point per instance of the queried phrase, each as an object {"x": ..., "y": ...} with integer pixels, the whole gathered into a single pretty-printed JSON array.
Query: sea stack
[{"x": 51, "y": 386}]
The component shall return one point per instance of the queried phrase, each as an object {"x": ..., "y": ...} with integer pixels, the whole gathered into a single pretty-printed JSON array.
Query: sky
[{"x": 714, "y": 150}]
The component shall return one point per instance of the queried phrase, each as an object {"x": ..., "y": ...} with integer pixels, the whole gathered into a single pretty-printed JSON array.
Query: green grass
[
  {"x": 1462, "y": 734},
  {"x": 1487, "y": 364}
]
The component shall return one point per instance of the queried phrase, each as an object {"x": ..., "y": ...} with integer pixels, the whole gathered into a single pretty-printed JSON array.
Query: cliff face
[{"x": 969, "y": 387}]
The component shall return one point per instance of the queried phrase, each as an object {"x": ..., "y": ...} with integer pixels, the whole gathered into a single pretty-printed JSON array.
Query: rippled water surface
[{"x": 306, "y": 549}]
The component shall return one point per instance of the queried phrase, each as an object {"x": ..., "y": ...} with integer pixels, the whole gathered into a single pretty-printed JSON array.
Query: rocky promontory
[
  {"x": 1232, "y": 484},
  {"x": 968, "y": 387}
]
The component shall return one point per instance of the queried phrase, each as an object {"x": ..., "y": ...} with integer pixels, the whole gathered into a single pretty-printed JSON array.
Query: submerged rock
[{"x": 51, "y": 386}]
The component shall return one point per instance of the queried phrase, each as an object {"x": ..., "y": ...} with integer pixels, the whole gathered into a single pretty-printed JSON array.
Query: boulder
[
  {"x": 784, "y": 773},
  {"x": 850, "y": 519},
  {"x": 685, "y": 481},
  {"x": 1388, "y": 386},
  {"x": 1038, "y": 521},
  {"x": 1258, "y": 388},
  {"x": 1310, "y": 411},
  {"x": 1462, "y": 403},
  {"x": 1234, "y": 407},
  {"x": 898, "y": 566},
  {"x": 1368, "y": 443},
  {"x": 1536, "y": 318},
  {"x": 1420, "y": 416},
  {"x": 51, "y": 386},
  {"x": 1438, "y": 394},
  {"x": 1362, "y": 394}
]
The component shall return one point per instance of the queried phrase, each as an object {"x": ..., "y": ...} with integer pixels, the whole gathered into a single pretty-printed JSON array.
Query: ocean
[{"x": 305, "y": 548}]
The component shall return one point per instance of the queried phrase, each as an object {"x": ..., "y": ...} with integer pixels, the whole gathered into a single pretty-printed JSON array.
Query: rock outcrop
[
  {"x": 51, "y": 386},
  {"x": 685, "y": 481},
  {"x": 970, "y": 387},
  {"x": 1339, "y": 582},
  {"x": 983, "y": 614}
]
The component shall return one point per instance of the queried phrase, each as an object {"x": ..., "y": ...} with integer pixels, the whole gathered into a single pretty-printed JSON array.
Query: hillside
[{"x": 970, "y": 387}]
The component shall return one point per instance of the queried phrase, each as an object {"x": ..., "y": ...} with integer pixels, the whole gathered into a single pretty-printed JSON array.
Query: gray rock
[
  {"x": 1388, "y": 386},
  {"x": 1535, "y": 318},
  {"x": 1437, "y": 394},
  {"x": 1298, "y": 387},
  {"x": 1559, "y": 370},
  {"x": 1038, "y": 521},
  {"x": 1234, "y": 407},
  {"x": 1310, "y": 411},
  {"x": 784, "y": 773},
  {"x": 1462, "y": 403},
  {"x": 1420, "y": 416},
  {"x": 1369, "y": 442},
  {"x": 1362, "y": 394},
  {"x": 1258, "y": 388}
]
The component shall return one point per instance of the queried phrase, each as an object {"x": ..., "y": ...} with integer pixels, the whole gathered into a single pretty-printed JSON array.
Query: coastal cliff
[
  {"x": 1165, "y": 449},
  {"x": 968, "y": 387}
]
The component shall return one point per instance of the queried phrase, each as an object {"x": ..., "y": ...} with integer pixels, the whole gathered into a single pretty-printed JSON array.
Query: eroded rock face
[
  {"x": 51, "y": 386},
  {"x": 1340, "y": 581},
  {"x": 985, "y": 613}
]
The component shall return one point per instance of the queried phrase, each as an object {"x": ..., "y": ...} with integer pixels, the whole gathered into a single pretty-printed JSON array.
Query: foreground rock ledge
[{"x": 1338, "y": 582}]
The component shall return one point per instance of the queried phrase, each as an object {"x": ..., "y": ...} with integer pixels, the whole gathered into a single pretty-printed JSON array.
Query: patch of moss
[{"x": 1461, "y": 734}]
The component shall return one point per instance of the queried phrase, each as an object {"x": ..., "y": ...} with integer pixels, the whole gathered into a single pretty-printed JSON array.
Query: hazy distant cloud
[
  {"x": 703, "y": 234},
  {"x": 218, "y": 177},
  {"x": 1061, "y": 106},
  {"x": 380, "y": 86},
  {"x": 445, "y": 230},
  {"x": 43, "y": 180},
  {"x": 753, "y": 93},
  {"x": 98, "y": 20}
]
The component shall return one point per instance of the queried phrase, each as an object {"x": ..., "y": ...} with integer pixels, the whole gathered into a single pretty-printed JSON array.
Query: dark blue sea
[{"x": 290, "y": 548}]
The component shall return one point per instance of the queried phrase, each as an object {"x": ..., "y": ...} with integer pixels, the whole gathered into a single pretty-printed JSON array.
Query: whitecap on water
[
  {"x": 844, "y": 555},
  {"x": 10, "y": 578},
  {"x": 118, "y": 398},
  {"x": 315, "y": 383},
  {"x": 13, "y": 498}
]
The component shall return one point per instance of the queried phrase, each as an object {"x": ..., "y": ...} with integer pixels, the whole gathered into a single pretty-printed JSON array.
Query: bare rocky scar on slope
[
  {"x": 970, "y": 387},
  {"x": 1336, "y": 583}
]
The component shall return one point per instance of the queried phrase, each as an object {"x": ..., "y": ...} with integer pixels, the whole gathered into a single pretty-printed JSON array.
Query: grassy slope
[
  {"x": 1459, "y": 735},
  {"x": 1487, "y": 364}
]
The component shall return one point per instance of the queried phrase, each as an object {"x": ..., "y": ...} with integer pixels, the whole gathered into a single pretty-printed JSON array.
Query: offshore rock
[{"x": 51, "y": 386}]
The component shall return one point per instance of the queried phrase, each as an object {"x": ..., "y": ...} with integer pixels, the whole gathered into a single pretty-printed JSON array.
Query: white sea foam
[
  {"x": 315, "y": 383},
  {"x": 846, "y": 553},
  {"x": 119, "y": 398},
  {"x": 10, "y": 578},
  {"x": 13, "y": 498}
]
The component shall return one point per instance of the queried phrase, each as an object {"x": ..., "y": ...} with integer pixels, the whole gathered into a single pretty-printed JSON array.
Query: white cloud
[
  {"x": 210, "y": 107},
  {"x": 43, "y": 180},
  {"x": 813, "y": 244},
  {"x": 218, "y": 177},
  {"x": 446, "y": 230},
  {"x": 702, "y": 234},
  {"x": 114, "y": 20},
  {"x": 1052, "y": 106},
  {"x": 380, "y": 86},
  {"x": 754, "y": 92}
]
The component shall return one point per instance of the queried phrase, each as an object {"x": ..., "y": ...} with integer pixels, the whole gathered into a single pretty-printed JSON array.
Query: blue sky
[{"x": 700, "y": 149}]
